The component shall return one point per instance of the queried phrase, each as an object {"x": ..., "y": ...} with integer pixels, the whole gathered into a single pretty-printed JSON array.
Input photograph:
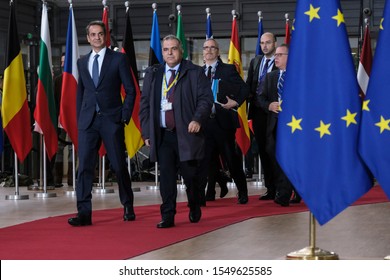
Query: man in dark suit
[
  {"x": 223, "y": 121},
  {"x": 101, "y": 117},
  {"x": 270, "y": 100},
  {"x": 176, "y": 101},
  {"x": 258, "y": 68}
]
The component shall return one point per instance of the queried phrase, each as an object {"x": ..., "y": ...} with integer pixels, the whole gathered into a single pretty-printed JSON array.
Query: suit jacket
[
  {"x": 268, "y": 95},
  {"x": 115, "y": 71},
  {"x": 228, "y": 119},
  {"x": 252, "y": 81},
  {"x": 193, "y": 100}
]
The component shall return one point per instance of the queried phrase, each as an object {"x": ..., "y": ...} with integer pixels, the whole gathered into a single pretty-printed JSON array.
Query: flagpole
[
  {"x": 73, "y": 192},
  {"x": 44, "y": 194},
  {"x": 312, "y": 252},
  {"x": 16, "y": 196},
  {"x": 135, "y": 189}
]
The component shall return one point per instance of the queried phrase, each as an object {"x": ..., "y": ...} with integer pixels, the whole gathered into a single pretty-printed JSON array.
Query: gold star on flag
[
  {"x": 383, "y": 124},
  {"x": 323, "y": 129},
  {"x": 349, "y": 118},
  {"x": 295, "y": 124},
  {"x": 280, "y": 105},
  {"x": 365, "y": 105},
  {"x": 313, "y": 12},
  {"x": 339, "y": 17},
  {"x": 381, "y": 23}
]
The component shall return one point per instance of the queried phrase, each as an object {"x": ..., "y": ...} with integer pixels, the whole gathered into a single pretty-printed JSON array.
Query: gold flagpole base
[{"x": 309, "y": 253}]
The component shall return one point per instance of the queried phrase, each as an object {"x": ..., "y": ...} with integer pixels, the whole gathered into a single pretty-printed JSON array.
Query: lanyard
[{"x": 167, "y": 88}]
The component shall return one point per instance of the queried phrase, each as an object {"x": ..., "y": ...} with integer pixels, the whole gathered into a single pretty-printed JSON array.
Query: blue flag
[
  {"x": 155, "y": 53},
  {"x": 374, "y": 138},
  {"x": 259, "y": 34},
  {"x": 209, "y": 30},
  {"x": 317, "y": 137}
]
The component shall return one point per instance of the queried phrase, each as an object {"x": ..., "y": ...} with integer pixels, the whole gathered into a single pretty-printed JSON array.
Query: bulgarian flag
[{"x": 45, "y": 110}]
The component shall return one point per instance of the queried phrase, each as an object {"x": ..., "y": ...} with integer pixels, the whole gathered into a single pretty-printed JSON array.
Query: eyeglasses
[
  {"x": 280, "y": 54},
  {"x": 206, "y": 48}
]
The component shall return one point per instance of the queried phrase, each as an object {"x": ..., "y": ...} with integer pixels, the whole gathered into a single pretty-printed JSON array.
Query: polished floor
[{"x": 358, "y": 233}]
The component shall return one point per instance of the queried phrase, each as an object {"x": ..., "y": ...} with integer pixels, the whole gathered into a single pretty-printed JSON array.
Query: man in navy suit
[
  {"x": 101, "y": 116},
  {"x": 258, "y": 68},
  {"x": 222, "y": 123},
  {"x": 271, "y": 101},
  {"x": 176, "y": 101}
]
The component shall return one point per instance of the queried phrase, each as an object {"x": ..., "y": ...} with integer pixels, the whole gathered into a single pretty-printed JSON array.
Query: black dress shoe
[
  {"x": 224, "y": 191},
  {"x": 210, "y": 198},
  {"x": 242, "y": 198},
  {"x": 267, "y": 196},
  {"x": 282, "y": 202},
  {"x": 296, "y": 199},
  {"x": 195, "y": 214},
  {"x": 80, "y": 221},
  {"x": 165, "y": 224},
  {"x": 128, "y": 213}
]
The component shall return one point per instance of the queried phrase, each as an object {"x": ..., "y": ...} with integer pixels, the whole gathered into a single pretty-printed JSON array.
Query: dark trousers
[
  {"x": 112, "y": 135},
  {"x": 222, "y": 142},
  {"x": 170, "y": 166},
  {"x": 259, "y": 123},
  {"x": 283, "y": 186}
]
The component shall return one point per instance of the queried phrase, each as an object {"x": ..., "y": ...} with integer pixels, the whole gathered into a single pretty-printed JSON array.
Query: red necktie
[{"x": 169, "y": 116}]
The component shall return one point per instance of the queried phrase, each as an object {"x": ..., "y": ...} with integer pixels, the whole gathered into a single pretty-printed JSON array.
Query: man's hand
[
  {"x": 147, "y": 142},
  {"x": 194, "y": 127},
  {"x": 229, "y": 104},
  {"x": 274, "y": 107}
]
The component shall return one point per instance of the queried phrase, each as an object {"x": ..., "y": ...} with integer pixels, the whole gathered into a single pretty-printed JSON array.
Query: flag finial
[
  {"x": 104, "y": 2},
  {"x": 10, "y": 2},
  {"x": 286, "y": 16},
  {"x": 235, "y": 14},
  {"x": 208, "y": 11},
  {"x": 178, "y": 7},
  {"x": 154, "y": 6},
  {"x": 260, "y": 15},
  {"x": 366, "y": 21}
]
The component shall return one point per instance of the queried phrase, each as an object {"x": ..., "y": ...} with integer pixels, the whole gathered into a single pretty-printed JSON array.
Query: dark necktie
[
  {"x": 281, "y": 85},
  {"x": 95, "y": 70},
  {"x": 209, "y": 72},
  {"x": 95, "y": 76},
  {"x": 169, "y": 116},
  {"x": 261, "y": 77}
]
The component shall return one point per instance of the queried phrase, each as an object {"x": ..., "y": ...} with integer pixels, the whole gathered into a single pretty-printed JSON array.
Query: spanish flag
[
  {"x": 15, "y": 111},
  {"x": 234, "y": 57}
]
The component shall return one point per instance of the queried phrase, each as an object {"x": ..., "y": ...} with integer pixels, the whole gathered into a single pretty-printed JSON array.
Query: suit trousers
[
  {"x": 112, "y": 135},
  {"x": 223, "y": 141},
  {"x": 259, "y": 122},
  {"x": 282, "y": 184},
  {"x": 170, "y": 167}
]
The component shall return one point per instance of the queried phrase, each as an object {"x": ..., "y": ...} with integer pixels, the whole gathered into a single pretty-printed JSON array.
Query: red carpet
[{"x": 111, "y": 238}]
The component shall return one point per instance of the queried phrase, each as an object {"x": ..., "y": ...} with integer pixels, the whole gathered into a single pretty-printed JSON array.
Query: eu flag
[
  {"x": 317, "y": 135},
  {"x": 259, "y": 34},
  {"x": 374, "y": 139}
]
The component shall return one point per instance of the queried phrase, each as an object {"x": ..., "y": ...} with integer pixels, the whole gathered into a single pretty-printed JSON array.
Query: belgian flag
[{"x": 15, "y": 111}]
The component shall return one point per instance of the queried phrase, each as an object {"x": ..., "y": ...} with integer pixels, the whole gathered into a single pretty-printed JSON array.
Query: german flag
[{"x": 15, "y": 111}]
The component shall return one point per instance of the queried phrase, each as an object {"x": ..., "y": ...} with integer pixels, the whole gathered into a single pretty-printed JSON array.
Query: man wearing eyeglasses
[
  {"x": 258, "y": 68},
  {"x": 271, "y": 101},
  {"x": 175, "y": 103},
  {"x": 220, "y": 129}
]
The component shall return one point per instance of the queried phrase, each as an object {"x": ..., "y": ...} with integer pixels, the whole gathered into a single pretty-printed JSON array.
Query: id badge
[{"x": 166, "y": 106}]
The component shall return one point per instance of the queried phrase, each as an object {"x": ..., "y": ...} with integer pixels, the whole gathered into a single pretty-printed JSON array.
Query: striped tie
[{"x": 280, "y": 84}]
